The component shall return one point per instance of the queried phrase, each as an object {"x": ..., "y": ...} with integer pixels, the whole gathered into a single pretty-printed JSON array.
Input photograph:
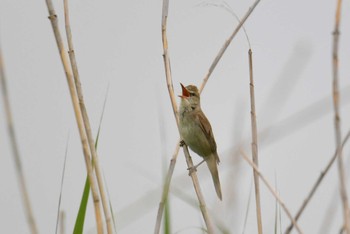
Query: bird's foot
[
  {"x": 191, "y": 170},
  {"x": 182, "y": 143},
  {"x": 194, "y": 168}
]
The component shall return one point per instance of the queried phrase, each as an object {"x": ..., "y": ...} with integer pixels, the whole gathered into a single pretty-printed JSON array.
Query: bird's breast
[{"x": 193, "y": 135}]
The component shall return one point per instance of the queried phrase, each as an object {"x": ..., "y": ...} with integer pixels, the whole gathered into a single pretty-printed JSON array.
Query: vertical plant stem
[
  {"x": 59, "y": 212},
  {"x": 254, "y": 143},
  {"x": 62, "y": 222},
  {"x": 337, "y": 128},
  {"x": 78, "y": 115},
  {"x": 175, "y": 110},
  {"x": 16, "y": 155},
  {"x": 91, "y": 141},
  {"x": 166, "y": 189},
  {"x": 169, "y": 175},
  {"x": 247, "y": 209},
  {"x": 274, "y": 193}
]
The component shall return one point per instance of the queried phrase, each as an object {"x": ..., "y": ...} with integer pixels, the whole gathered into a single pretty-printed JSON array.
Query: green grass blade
[
  {"x": 79, "y": 223},
  {"x": 109, "y": 201},
  {"x": 113, "y": 217},
  {"x": 103, "y": 111},
  {"x": 62, "y": 180},
  {"x": 278, "y": 220},
  {"x": 167, "y": 222},
  {"x": 247, "y": 209}
]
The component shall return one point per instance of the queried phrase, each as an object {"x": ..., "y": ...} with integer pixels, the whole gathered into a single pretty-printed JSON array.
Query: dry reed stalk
[
  {"x": 175, "y": 110},
  {"x": 78, "y": 114},
  {"x": 337, "y": 128},
  {"x": 318, "y": 182},
  {"x": 272, "y": 190},
  {"x": 16, "y": 156},
  {"x": 62, "y": 222},
  {"x": 254, "y": 143},
  {"x": 199, "y": 193},
  {"x": 169, "y": 175},
  {"x": 226, "y": 44},
  {"x": 91, "y": 141}
]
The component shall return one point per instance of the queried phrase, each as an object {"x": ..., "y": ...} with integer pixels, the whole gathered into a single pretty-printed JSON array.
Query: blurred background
[{"x": 118, "y": 47}]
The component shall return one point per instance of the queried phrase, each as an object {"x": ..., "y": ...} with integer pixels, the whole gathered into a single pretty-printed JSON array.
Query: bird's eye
[{"x": 192, "y": 94}]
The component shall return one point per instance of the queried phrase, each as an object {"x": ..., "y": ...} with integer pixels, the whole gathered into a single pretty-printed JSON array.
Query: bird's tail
[{"x": 213, "y": 168}]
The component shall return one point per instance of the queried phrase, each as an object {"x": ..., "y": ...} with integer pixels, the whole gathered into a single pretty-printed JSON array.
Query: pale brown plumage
[{"x": 196, "y": 132}]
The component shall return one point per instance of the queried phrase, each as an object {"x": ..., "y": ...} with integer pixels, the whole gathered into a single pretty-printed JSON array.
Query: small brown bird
[{"x": 196, "y": 132}]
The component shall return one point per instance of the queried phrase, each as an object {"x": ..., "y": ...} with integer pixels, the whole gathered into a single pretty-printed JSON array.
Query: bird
[{"x": 196, "y": 132}]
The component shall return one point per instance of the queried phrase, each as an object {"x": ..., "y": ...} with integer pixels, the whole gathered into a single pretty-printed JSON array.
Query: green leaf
[{"x": 79, "y": 223}]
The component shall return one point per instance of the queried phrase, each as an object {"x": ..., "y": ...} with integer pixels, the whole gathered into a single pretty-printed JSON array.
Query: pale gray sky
[{"x": 118, "y": 44}]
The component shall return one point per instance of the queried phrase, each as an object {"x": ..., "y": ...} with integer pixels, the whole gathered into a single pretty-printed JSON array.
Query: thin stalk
[
  {"x": 59, "y": 212},
  {"x": 170, "y": 172},
  {"x": 272, "y": 190},
  {"x": 166, "y": 189},
  {"x": 78, "y": 114},
  {"x": 164, "y": 204},
  {"x": 16, "y": 155},
  {"x": 254, "y": 143},
  {"x": 199, "y": 193},
  {"x": 62, "y": 222},
  {"x": 337, "y": 128},
  {"x": 91, "y": 141},
  {"x": 175, "y": 110},
  {"x": 167, "y": 222},
  {"x": 318, "y": 182},
  {"x": 247, "y": 209},
  {"x": 226, "y": 44}
]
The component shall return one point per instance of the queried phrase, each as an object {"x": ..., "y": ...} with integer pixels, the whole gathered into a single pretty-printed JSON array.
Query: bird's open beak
[{"x": 185, "y": 93}]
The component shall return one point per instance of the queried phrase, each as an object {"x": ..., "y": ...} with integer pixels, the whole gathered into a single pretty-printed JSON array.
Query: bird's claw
[
  {"x": 182, "y": 143},
  {"x": 191, "y": 170}
]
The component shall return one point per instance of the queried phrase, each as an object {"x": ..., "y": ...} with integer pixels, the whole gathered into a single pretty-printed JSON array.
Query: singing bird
[{"x": 196, "y": 132}]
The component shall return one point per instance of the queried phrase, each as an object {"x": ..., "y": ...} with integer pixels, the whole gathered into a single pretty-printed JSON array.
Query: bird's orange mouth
[{"x": 185, "y": 93}]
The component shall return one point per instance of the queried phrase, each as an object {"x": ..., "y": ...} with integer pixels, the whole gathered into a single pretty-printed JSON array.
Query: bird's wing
[{"x": 205, "y": 126}]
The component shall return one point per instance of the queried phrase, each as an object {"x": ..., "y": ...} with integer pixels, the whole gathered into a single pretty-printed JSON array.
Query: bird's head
[{"x": 190, "y": 96}]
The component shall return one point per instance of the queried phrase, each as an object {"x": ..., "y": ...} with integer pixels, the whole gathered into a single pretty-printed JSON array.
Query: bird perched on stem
[{"x": 196, "y": 132}]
